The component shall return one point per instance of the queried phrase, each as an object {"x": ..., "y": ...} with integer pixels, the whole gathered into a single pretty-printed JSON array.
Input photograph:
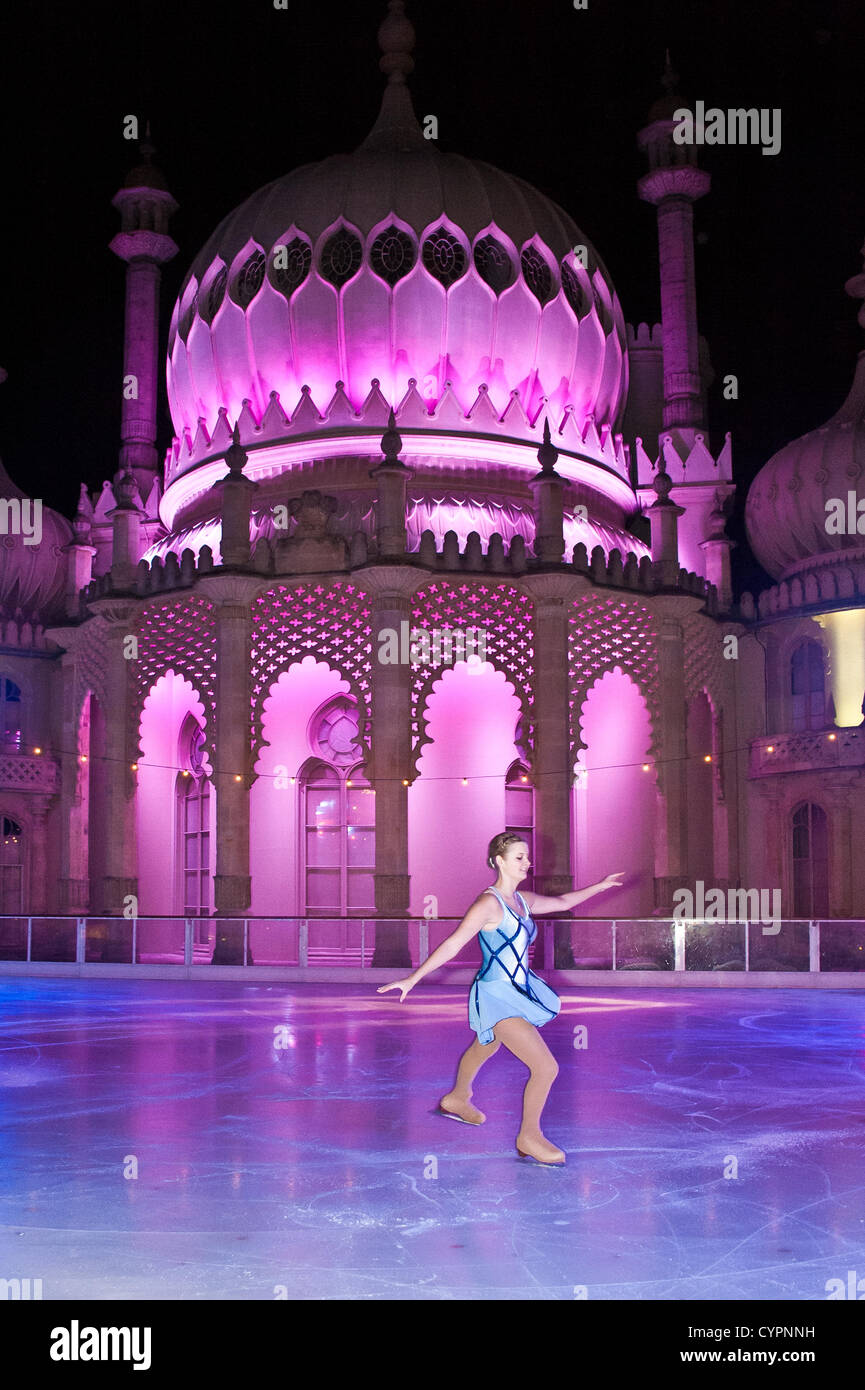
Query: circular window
[
  {"x": 213, "y": 296},
  {"x": 604, "y": 316},
  {"x": 289, "y": 265},
  {"x": 537, "y": 274},
  {"x": 574, "y": 292},
  {"x": 444, "y": 258},
  {"x": 248, "y": 280},
  {"x": 341, "y": 258},
  {"x": 392, "y": 255},
  {"x": 493, "y": 264},
  {"x": 336, "y": 736}
]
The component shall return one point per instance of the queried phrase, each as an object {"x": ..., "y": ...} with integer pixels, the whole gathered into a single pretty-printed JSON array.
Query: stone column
[
  {"x": 232, "y": 769},
  {"x": 552, "y": 763},
  {"x": 840, "y": 852},
  {"x": 120, "y": 881},
  {"x": 38, "y": 894},
  {"x": 767, "y": 864},
  {"x": 671, "y": 838},
  {"x": 390, "y": 767},
  {"x": 74, "y": 863}
]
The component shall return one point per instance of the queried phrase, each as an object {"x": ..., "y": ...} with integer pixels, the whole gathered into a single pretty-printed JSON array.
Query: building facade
[{"x": 438, "y": 548}]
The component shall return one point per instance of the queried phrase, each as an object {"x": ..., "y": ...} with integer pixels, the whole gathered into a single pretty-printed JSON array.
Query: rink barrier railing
[{"x": 616, "y": 946}]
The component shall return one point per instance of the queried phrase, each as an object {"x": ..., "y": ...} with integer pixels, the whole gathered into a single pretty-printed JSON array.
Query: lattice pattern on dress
[
  {"x": 604, "y": 633},
  {"x": 502, "y": 615},
  {"x": 177, "y": 635},
  {"x": 331, "y": 622}
]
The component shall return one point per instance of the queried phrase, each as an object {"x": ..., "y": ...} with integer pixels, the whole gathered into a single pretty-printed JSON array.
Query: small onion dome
[
  {"x": 32, "y": 577},
  {"x": 786, "y": 511}
]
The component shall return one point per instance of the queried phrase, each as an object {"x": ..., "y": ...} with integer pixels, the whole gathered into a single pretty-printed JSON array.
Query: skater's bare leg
[
  {"x": 458, "y": 1101},
  {"x": 525, "y": 1042}
]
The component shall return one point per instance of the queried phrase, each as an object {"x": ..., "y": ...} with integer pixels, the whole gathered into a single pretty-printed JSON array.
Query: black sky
[{"x": 239, "y": 93}]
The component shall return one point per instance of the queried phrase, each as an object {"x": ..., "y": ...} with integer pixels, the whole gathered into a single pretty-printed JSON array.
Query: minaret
[
  {"x": 673, "y": 183},
  {"x": 145, "y": 207}
]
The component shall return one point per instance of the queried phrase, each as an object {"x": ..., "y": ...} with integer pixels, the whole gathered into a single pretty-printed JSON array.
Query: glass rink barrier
[{"x": 620, "y": 946}]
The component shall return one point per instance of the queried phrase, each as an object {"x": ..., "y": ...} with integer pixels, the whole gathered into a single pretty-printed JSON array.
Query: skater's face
[{"x": 515, "y": 861}]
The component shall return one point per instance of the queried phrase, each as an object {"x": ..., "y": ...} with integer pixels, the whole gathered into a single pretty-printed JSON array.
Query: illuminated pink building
[{"x": 405, "y": 397}]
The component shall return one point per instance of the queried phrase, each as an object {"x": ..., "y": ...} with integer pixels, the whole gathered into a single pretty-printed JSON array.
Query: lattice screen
[
  {"x": 177, "y": 635},
  {"x": 331, "y": 622},
  {"x": 604, "y": 633},
  {"x": 503, "y": 614}
]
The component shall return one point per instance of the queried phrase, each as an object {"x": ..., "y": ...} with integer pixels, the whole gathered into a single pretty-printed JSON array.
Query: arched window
[
  {"x": 193, "y": 826},
  {"x": 11, "y": 735},
  {"x": 11, "y": 868},
  {"x": 339, "y": 842},
  {"x": 520, "y": 811},
  {"x": 807, "y": 687},
  {"x": 810, "y": 862},
  {"x": 338, "y": 817}
]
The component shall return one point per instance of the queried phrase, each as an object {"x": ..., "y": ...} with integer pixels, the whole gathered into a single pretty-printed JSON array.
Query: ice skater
[{"x": 508, "y": 1002}]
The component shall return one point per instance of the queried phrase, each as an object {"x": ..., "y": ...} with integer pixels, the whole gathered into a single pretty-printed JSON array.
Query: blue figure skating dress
[{"x": 505, "y": 987}]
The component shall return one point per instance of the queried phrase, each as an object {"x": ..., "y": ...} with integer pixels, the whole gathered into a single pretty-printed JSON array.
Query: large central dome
[{"x": 435, "y": 281}]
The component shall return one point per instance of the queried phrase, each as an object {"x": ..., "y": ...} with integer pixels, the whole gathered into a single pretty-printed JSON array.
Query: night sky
[{"x": 239, "y": 93}]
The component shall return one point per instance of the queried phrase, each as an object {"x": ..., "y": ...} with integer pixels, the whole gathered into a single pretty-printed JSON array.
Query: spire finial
[
  {"x": 547, "y": 453},
  {"x": 235, "y": 454},
  {"x": 146, "y": 146},
  {"x": 396, "y": 39},
  {"x": 397, "y": 125},
  {"x": 669, "y": 78},
  {"x": 855, "y": 287}
]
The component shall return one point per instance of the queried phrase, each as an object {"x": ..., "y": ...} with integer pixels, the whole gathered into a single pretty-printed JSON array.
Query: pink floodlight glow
[{"x": 470, "y": 451}]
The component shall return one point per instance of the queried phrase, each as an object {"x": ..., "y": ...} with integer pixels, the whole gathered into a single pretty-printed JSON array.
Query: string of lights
[{"x": 580, "y": 773}]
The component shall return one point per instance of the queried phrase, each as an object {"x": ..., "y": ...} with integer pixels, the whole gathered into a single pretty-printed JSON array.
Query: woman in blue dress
[{"x": 508, "y": 1002}]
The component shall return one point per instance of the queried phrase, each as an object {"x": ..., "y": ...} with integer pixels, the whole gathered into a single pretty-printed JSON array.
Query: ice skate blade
[
  {"x": 544, "y": 1162},
  {"x": 448, "y": 1116}
]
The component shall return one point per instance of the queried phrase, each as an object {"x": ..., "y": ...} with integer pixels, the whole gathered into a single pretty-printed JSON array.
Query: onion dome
[
  {"x": 399, "y": 277},
  {"x": 32, "y": 559},
  {"x": 794, "y": 499}
]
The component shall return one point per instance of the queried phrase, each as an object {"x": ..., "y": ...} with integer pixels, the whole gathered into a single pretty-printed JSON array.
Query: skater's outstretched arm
[
  {"x": 536, "y": 903},
  {"x": 484, "y": 912}
]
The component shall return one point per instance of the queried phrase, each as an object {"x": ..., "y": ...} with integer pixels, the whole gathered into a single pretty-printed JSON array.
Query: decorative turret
[
  {"x": 145, "y": 207},
  {"x": 237, "y": 492},
  {"x": 391, "y": 476},
  {"x": 548, "y": 489},
  {"x": 672, "y": 184},
  {"x": 126, "y": 519},
  {"x": 80, "y": 553},
  {"x": 716, "y": 548},
  {"x": 664, "y": 518}
]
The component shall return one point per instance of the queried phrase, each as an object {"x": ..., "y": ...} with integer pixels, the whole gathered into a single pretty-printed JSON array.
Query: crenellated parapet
[
  {"x": 612, "y": 571},
  {"x": 841, "y": 585}
]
